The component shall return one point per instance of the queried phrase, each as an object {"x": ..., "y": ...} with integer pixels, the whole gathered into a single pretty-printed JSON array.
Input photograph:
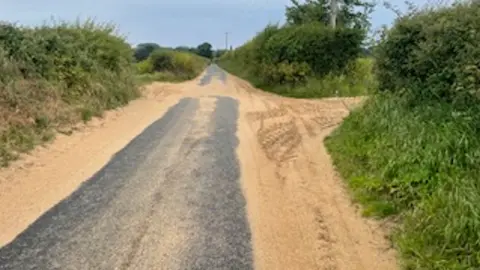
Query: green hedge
[
  {"x": 414, "y": 149},
  {"x": 433, "y": 54},
  {"x": 54, "y": 75},
  {"x": 324, "y": 49},
  {"x": 170, "y": 65},
  {"x": 288, "y": 56}
]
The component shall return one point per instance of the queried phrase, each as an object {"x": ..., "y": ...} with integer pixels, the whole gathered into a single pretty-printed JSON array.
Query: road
[{"x": 227, "y": 178}]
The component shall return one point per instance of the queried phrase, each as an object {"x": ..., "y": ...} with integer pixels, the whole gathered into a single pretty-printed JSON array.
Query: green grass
[
  {"x": 166, "y": 65},
  {"x": 55, "y": 75},
  {"x": 419, "y": 162},
  {"x": 357, "y": 80}
]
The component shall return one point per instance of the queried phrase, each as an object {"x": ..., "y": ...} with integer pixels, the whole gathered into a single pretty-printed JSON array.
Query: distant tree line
[{"x": 143, "y": 50}]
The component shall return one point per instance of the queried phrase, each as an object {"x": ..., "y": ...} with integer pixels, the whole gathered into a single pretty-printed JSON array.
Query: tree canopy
[
  {"x": 351, "y": 13},
  {"x": 205, "y": 50},
  {"x": 143, "y": 50}
]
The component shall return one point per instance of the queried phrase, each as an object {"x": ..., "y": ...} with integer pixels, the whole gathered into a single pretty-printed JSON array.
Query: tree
[
  {"x": 143, "y": 50},
  {"x": 186, "y": 49},
  {"x": 205, "y": 50},
  {"x": 320, "y": 11},
  {"x": 310, "y": 11}
]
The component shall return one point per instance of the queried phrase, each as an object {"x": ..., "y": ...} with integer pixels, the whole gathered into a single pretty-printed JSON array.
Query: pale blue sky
[{"x": 169, "y": 23}]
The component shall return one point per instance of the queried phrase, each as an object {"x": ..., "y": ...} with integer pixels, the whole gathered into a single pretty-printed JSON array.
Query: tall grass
[
  {"x": 54, "y": 75},
  {"x": 170, "y": 65},
  {"x": 413, "y": 150},
  {"x": 356, "y": 80},
  {"x": 420, "y": 163}
]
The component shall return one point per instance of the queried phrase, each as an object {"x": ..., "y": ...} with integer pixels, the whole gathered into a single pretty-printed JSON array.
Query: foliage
[
  {"x": 205, "y": 50},
  {"x": 433, "y": 54},
  {"x": 299, "y": 60},
  {"x": 186, "y": 49},
  {"x": 413, "y": 150},
  {"x": 422, "y": 162},
  {"x": 143, "y": 50},
  {"x": 324, "y": 49},
  {"x": 161, "y": 60},
  {"x": 54, "y": 75},
  {"x": 219, "y": 53},
  {"x": 319, "y": 11},
  {"x": 144, "y": 67},
  {"x": 170, "y": 65},
  {"x": 286, "y": 73}
]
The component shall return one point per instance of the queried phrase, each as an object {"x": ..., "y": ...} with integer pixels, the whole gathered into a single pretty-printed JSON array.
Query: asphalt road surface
[{"x": 170, "y": 200}]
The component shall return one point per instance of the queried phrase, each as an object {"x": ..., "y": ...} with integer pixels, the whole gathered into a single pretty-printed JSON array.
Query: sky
[{"x": 169, "y": 22}]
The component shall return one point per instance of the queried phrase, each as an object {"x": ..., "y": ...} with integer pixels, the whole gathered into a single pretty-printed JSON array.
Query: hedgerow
[
  {"x": 414, "y": 149},
  {"x": 170, "y": 65},
  {"x": 54, "y": 75},
  {"x": 299, "y": 60}
]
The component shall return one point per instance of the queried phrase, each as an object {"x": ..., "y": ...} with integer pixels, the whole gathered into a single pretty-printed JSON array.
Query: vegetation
[
  {"x": 205, "y": 50},
  {"x": 170, "y": 65},
  {"x": 53, "y": 76},
  {"x": 143, "y": 50},
  {"x": 413, "y": 150},
  {"x": 306, "y": 57},
  {"x": 312, "y": 11}
]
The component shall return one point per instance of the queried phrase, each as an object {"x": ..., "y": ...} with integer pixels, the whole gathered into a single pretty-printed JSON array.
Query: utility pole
[
  {"x": 333, "y": 15},
  {"x": 226, "y": 41}
]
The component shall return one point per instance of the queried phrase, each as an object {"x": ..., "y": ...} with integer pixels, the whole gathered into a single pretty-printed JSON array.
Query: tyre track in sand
[{"x": 299, "y": 210}]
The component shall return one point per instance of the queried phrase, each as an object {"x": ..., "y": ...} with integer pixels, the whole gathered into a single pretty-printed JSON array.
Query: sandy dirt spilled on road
[
  {"x": 38, "y": 181},
  {"x": 299, "y": 210}
]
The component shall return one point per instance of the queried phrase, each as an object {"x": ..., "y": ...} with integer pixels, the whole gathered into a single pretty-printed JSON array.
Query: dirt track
[{"x": 298, "y": 212}]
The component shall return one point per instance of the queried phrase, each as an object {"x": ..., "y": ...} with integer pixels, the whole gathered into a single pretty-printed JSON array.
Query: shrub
[
  {"x": 414, "y": 150},
  {"x": 161, "y": 60},
  {"x": 286, "y": 73},
  {"x": 421, "y": 163},
  {"x": 433, "y": 54},
  {"x": 170, "y": 65},
  {"x": 324, "y": 49},
  {"x": 144, "y": 67},
  {"x": 50, "y": 75},
  {"x": 185, "y": 63},
  {"x": 307, "y": 60},
  {"x": 280, "y": 59}
]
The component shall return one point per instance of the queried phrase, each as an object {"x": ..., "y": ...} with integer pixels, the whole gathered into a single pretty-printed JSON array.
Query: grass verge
[
  {"x": 356, "y": 80},
  {"x": 419, "y": 162}
]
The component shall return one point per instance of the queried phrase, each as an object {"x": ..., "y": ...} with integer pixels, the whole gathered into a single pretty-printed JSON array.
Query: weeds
[
  {"x": 170, "y": 65},
  {"x": 356, "y": 80},
  {"x": 55, "y": 75},
  {"x": 413, "y": 150}
]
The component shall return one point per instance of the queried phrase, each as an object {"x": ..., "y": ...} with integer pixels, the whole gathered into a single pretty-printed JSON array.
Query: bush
[
  {"x": 324, "y": 49},
  {"x": 286, "y": 73},
  {"x": 144, "y": 67},
  {"x": 433, "y": 54},
  {"x": 301, "y": 60},
  {"x": 161, "y": 60},
  {"x": 414, "y": 149},
  {"x": 52, "y": 75},
  {"x": 170, "y": 65},
  {"x": 420, "y": 162}
]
